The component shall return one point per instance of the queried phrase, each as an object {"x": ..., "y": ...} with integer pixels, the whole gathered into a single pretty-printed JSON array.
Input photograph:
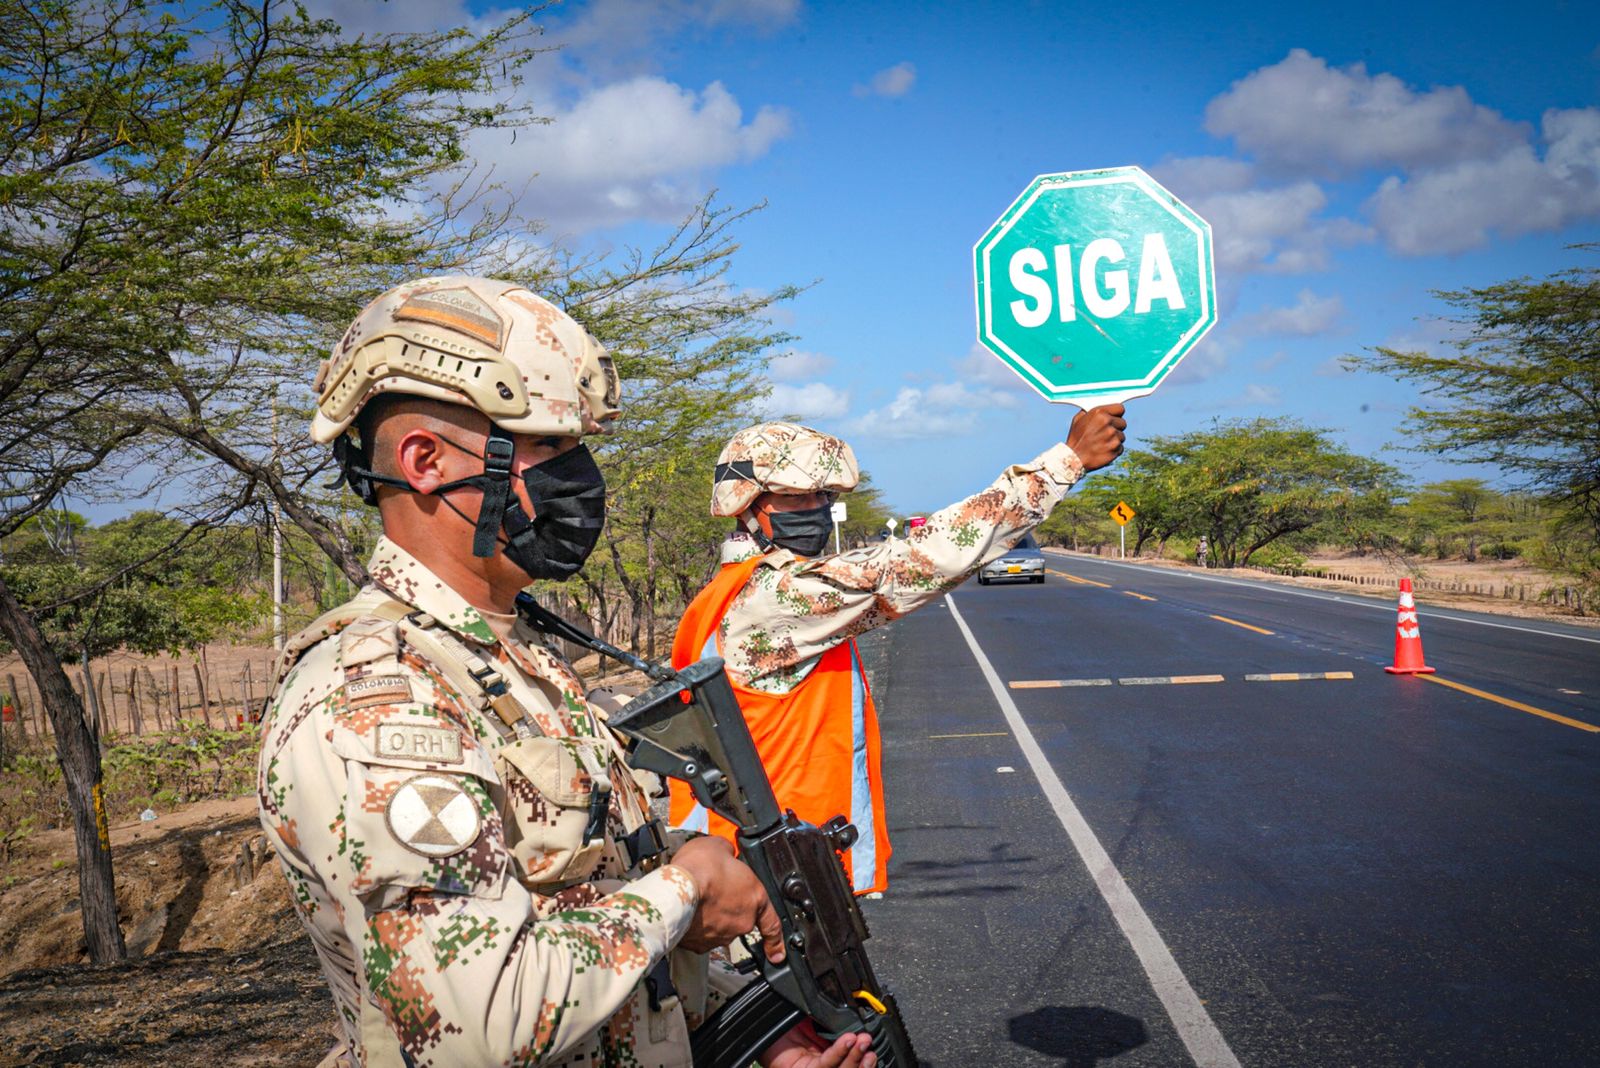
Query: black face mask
[
  {"x": 804, "y": 533},
  {"x": 569, "y": 508},
  {"x": 568, "y": 494}
]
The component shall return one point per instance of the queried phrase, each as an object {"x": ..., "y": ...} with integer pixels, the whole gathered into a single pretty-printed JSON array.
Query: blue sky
[{"x": 1349, "y": 157}]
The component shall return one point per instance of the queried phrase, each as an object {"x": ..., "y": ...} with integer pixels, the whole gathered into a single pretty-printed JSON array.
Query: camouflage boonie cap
[
  {"x": 480, "y": 342},
  {"x": 780, "y": 458}
]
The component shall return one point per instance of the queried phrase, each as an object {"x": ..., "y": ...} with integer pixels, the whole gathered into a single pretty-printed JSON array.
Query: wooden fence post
[
  {"x": 155, "y": 696},
  {"x": 205, "y": 695},
  {"x": 16, "y": 695},
  {"x": 108, "y": 711},
  {"x": 133, "y": 701}
]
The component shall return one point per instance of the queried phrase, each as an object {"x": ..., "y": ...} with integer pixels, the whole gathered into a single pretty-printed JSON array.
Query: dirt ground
[{"x": 220, "y": 972}]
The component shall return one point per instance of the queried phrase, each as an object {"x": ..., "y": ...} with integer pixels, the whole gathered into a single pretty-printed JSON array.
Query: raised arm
[{"x": 794, "y": 609}]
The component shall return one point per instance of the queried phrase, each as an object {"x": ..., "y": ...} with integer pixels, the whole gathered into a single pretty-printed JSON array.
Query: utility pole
[{"x": 276, "y": 518}]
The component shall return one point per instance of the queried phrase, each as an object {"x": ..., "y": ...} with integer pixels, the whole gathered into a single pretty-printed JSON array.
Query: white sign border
[{"x": 1103, "y": 392}]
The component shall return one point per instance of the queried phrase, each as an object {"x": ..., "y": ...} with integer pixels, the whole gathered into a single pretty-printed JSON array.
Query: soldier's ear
[{"x": 420, "y": 459}]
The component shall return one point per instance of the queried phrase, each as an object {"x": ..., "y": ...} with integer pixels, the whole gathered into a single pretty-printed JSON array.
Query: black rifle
[{"x": 688, "y": 726}]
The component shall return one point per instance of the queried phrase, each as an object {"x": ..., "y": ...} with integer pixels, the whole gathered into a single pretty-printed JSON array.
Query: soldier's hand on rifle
[
  {"x": 1096, "y": 435},
  {"x": 802, "y": 1048},
  {"x": 732, "y": 900}
]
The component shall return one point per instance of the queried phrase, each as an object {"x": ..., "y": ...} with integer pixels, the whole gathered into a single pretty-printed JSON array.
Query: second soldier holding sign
[{"x": 785, "y": 617}]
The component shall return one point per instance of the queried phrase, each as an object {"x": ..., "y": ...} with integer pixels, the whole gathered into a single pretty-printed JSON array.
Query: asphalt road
[{"x": 1372, "y": 870}]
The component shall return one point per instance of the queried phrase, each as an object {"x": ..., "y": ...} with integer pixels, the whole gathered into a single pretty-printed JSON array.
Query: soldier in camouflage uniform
[
  {"x": 784, "y": 616},
  {"x": 475, "y": 864}
]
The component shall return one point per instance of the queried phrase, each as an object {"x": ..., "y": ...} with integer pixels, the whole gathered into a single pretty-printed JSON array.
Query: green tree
[
  {"x": 1248, "y": 485},
  {"x": 1520, "y": 388},
  {"x": 192, "y": 203},
  {"x": 1450, "y": 512},
  {"x": 1079, "y": 522},
  {"x": 865, "y": 513}
]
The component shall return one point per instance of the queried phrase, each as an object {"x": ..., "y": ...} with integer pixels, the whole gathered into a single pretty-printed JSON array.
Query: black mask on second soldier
[
  {"x": 804, "y": 533},
  {"x": 569, "y": 508}
]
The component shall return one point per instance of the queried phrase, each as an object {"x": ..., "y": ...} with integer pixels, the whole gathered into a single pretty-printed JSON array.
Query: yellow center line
[
  {"x": 1518, "y": 705},
  {"x": 1141, "y": 596},
  {"x": 1075, "y": 578},
  {"x": 1300, "y": 676},
  {"x": 1246, "y": 626},
  {"x": 985, "y": 734}
]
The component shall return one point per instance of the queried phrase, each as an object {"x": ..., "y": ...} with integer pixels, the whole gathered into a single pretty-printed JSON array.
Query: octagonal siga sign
[{"x": 1094, "y": 284}]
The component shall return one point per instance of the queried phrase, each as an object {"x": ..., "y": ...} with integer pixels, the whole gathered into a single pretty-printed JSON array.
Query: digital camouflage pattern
[
  {"x": 780, "y": 458},
  {"x": 795, "y": 609},
  {"x": 521, "y": 946},
  {"x": 479, "y": 342}
]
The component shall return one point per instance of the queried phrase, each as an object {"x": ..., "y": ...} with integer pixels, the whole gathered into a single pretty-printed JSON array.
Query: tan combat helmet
[
  {"x": 485, "y": 344},
  {"x": 480, "y": 342},
  {"x": 780, "y": 458}
]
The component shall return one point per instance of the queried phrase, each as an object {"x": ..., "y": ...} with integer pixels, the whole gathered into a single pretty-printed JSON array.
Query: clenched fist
[{"x": 1096, "y": 435}]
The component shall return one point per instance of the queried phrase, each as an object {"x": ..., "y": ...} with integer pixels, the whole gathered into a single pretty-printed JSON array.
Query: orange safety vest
[{"x": 819, "y": 742}]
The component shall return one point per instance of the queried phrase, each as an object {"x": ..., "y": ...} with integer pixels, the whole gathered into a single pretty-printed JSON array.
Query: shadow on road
[{"x": 1081, "y": 1035}]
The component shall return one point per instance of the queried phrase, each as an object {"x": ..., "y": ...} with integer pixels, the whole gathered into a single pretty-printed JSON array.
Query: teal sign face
[{"x": 1094, "y": 284}]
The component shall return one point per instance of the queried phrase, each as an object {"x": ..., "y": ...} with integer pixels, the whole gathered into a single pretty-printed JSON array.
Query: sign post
[
  {"x": 839, "y": 515},
  {"x": 1092, "y": 285},
  {"x": 1122, "y": 513}
]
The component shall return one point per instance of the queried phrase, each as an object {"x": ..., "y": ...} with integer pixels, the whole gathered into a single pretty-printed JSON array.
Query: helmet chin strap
[
  {"x": 753, "y": 525},
  {"x": 494, "y": 482},
  {"x": 496, "y": 486}
]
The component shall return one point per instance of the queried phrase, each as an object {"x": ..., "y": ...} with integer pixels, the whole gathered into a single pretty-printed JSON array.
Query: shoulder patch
[
  {"x": 367, "y": 640},
  {"x": 376, "y": 690},
  {"x": 431, "y": 815},
  {"x": 415, "y": 741}
]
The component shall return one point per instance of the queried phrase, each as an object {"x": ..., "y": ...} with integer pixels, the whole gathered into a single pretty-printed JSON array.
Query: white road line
[
  {"x": 1194, "y": 1025},
  {"x": 1317, "y": 595}
]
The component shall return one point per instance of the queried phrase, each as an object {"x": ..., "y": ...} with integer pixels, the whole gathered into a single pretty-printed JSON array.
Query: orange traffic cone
[{"x": 1408, "y": 637}]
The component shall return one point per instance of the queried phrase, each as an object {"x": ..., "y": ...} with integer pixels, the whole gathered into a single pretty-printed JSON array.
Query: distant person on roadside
[
  {"x": 476, "y": 867},
  {"x": 1201, "y": 551},
  {"x": 784, "y": 616}
]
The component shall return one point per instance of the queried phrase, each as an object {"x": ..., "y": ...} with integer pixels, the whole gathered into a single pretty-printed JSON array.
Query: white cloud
[
  {"x": 1454, "y": 208},
  {"x": 945, "y": 409},
  {"x": 1459, "y": 172},
  {"x": 613, "y": 38},
  {"x": 1272, "y": 362},
  {"x": 636, "y": 149},
  {"x": 813, "y": 400},
  {"x": 1304, "y": 117},
  {"x": 1308, "y": 316},
  {"x": 1254, "y": 395},
  {"x": 1209, "y": 358},
  {"x": 1276, "y": 229},
  {"x": 623, "y": 142},
  {"x": 891, "y": 81},
  {"x": 357, "y": 17},
  {"x": 795, "y": 365},
  {"x": 984, "y": 368}
]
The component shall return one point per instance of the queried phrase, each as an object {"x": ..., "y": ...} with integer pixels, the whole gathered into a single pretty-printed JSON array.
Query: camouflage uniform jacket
[
  {"x": 445, "y": 865},
  {"x": 795, "y": 609}
]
